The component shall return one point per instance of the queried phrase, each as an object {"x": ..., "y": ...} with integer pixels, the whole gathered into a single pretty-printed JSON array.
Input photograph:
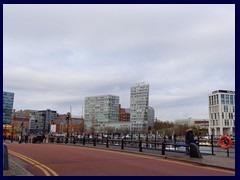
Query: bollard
[
  {"x": 94, "y": 141},
  {"x": 5, "y": 157},
  {"x": 163, "y": 148},
  {"x": 140, "y": 146}
]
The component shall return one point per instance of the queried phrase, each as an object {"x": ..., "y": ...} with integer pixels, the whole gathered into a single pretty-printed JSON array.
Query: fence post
[
  {"x": 122, "y": 147},
  {"x": 212, "y": 144},
  {"x": 147, "y": 141},
  {"x": 83, "y": 141},
  {"x": 107, "y": 143},
  {"x": 140, "y": 146},
  {"x": 155, "y": 140},
  {"x": 163, "y": 148}
]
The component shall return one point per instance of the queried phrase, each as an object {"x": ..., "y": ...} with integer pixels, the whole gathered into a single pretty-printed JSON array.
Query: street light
[
  {"x": 21, "y": 133},
  {"x": 12, "y": 132},
  {"x": 67, "y": 119}
]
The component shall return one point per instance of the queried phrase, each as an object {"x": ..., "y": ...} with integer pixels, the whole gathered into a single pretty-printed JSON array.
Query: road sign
[{"x": 53, "y": 128}]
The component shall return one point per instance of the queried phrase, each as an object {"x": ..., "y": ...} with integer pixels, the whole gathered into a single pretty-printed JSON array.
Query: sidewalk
[{"x": 18, "y": 167}]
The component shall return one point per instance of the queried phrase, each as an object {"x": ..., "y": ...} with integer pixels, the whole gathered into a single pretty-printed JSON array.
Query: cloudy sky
[{"x": 56, "y": 55}]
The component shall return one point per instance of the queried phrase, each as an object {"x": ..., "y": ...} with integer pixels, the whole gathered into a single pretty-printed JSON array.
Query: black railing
[{"x": 149, "y": 143}]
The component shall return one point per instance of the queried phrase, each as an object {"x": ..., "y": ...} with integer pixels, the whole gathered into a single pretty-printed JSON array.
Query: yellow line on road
[{"x": 35, "y": 163}]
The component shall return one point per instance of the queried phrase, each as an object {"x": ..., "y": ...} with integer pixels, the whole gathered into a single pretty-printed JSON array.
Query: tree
[{"x": 110, "y": 130}]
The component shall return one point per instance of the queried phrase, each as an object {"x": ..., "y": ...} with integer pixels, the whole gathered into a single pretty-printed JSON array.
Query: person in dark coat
[{"x": 189, "y": 138}]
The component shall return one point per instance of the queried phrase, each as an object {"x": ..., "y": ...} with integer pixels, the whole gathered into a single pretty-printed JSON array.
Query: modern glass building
[
  {"x": 139, "y": 103},
  {"x": 222, "y": 112},
  {"x": 8, "y": 98},
  {"x": 101, "y": 110}
]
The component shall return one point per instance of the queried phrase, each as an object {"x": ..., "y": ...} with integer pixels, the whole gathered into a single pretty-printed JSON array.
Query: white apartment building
[
  {"x": 151, "y": 117},
  {"x": 139, "y": 103},
  {"x": 222, "y": 112},
  {"x": 101, "y": 110}
]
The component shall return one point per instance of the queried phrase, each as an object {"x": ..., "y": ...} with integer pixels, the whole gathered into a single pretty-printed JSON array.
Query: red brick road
[{"x": 81, "y": 161}]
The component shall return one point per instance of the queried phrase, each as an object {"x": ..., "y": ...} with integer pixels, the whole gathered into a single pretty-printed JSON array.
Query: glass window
[
  {"x": 225, "y": 108},
  {"x": 222, "y": 99},
  {"x": 231, "y": 99},
  {"x": 227, "y": 99}
]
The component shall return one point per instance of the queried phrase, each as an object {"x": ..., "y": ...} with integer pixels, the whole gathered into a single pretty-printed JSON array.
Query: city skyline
[{"x": 53, "y": 60}]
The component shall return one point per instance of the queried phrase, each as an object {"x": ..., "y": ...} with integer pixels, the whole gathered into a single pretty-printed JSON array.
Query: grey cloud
[{"x": 55, "y": 55}]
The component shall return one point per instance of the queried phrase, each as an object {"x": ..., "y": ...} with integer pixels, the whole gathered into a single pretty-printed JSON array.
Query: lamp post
[
  {"x": 12, "y": 133},
  {"x": 20, "y": 141},
  {"x": 67, "y": 119}
]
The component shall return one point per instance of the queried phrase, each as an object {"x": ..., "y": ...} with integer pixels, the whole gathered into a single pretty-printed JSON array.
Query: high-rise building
[
  {"x": 101, "y": 110},
  {"x": 139, "y": 103},
  {"x": 8, "y": 99},
  {"x": 222, "y": 112},
  {"x": 43, "y": 120},
  {"x": 151, "y": 117}
]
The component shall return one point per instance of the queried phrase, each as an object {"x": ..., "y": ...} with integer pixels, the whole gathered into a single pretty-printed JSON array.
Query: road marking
[
  {"x": 35, "y": 163},
  {"x": 191, "y": 164}
]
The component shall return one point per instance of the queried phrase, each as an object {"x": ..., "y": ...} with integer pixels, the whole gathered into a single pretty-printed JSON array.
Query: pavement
[{"x": 18, "y": 167}]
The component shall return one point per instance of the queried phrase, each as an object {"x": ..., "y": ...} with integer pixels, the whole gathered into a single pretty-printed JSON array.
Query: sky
[{"x": 56, "y": 55}]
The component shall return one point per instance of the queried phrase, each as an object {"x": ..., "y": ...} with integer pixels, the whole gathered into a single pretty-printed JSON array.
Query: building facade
[
  {"x": 124, "y": 114},
  {"x": 40, "y": 121},
  {"x": 8, "y": 99},
  {"x": 151, "y": 117},
  {"x": 222, "y": 112},
  {"x": 100, "y": 110},
  {"x": 139, "y": 103}
]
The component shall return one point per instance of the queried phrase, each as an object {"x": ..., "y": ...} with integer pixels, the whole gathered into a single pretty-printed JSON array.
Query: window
[
  {"x": 225, "y": 108},
  {"x": 226, "y": 122},
  {"x": 231, "y": 99},
  {"x": 227, "y": 99},
  {"x": 222, "y": 99}
]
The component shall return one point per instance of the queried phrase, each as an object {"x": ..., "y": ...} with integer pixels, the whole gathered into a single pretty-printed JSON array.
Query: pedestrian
[
  {"x": 26, "y": 138},
  {"x": 189, "y": 138},
  {"x": 4, "y": 138}
]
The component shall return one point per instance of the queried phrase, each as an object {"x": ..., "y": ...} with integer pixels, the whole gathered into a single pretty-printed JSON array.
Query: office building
[
  {"x": 8, "y": 99},
  {"x": 100, "y": 110},
  {"x": 222, "y": 112},
  {"x": 42, "y": 119},
  {"x": 151, "y": 117},
  {"x": 139, "y": 103}
]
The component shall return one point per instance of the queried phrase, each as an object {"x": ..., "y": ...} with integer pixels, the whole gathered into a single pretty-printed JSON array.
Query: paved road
[{"x": 62, "y": 160}]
